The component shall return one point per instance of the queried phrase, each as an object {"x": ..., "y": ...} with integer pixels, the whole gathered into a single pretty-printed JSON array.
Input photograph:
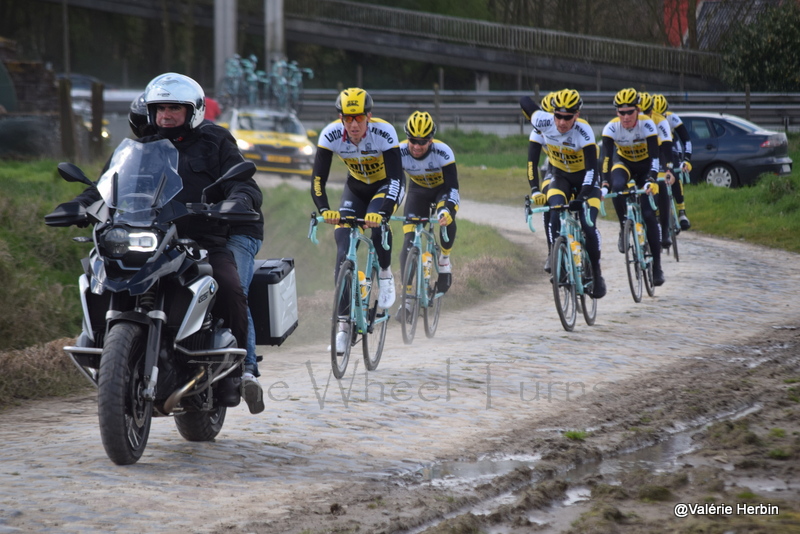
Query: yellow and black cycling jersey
[
  {"x": 370, "y": 160},
  {"x": 681, "y": 142},
  {"x": 664, "y": 139},
  {"x": 631, "y": 144},
  {"x": 435, "y": 170},
  {"x": 572, "y": 152}
]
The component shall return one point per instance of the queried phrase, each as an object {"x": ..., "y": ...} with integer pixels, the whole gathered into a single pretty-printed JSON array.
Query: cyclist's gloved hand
[
  {"x": 445, "y": 219},
  {"x": 537, "y": 197},
  {"x": 373, "y": 219},
  {"x": 331, "y": 217},
  {"x": 651, "y": 188},
  {"x": 604, "y": 187},
  {"x": 686, "y": 166},
  {"x": 586, "y": 192},
  {"x": 576, "y": 204}
]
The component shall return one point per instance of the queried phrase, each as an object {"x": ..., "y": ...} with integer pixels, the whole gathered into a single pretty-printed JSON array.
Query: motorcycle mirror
[
  {"x": 240, "y": 171},
  {"x": 72, "y": 173}
]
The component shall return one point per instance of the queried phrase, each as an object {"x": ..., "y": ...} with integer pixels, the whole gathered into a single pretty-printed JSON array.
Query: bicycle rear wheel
[
  {"x": 409, "y": 311},
  {"x": 588, "y": 302},
  {"x": 632, "y": 264},
  {"x": 647, "y": 273},
  {"x": 373, "y": 339},
  {"x": 430, "y": 313},
  {"x": 342, "y": 318},
  {"x": 674, "y": 230},
  {"x": 563, "y": 284}
]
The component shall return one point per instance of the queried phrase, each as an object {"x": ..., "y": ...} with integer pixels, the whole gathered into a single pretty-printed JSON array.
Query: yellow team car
[{"x": 275, "y": 141}]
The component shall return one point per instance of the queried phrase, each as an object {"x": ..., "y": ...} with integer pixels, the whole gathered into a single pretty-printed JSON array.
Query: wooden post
[
  {"x": 96, "y": 137},
  {"x": 67, "y": 119},
  {"x": 747, "y": 101},
  {"x": 436, "y": 102}
]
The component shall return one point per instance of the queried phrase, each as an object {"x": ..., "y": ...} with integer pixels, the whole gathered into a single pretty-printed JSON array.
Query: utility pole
[
  {"x": 275, "y": 42},
  {"x": 224, "y": 36}
]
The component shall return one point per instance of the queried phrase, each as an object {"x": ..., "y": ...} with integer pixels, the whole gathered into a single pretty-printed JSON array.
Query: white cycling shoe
[{"x": 387, "y": 294}]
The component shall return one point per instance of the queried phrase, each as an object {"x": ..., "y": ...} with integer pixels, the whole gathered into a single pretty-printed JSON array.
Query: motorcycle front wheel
[{"x": 123, "y": 412}]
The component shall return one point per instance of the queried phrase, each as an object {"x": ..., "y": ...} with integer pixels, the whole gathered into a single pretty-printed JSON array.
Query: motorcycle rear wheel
[
  {"x": 124, "y": 414},
  {"x": 201, "y": 426}
]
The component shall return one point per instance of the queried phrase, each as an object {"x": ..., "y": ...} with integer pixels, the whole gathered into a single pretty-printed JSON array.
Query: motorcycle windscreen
[{"x": 141, "y": 178}]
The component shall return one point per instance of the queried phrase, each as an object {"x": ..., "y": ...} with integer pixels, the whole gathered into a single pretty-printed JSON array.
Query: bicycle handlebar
[
  {"x": 423, "y": 220},
  {"x": 634, "y": 191},
  {"x": 348, "y": 221},
  {"x": 558, "y": 207}
]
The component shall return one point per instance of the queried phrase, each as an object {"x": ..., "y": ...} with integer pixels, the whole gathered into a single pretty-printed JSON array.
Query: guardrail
[{"x": 493, "y": 107}]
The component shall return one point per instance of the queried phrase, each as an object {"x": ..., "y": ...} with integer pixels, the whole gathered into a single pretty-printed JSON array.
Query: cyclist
[
  {"x": 431, "y": 166},
  {"x": 545, "y": 105},
  {"x": 369, "y": 147},
  {"x": 681, "y": 154},
  {"x": 572, "y": 151},
  {"x": 665, "y": 161},
  {"x": 630, "y": 153}
]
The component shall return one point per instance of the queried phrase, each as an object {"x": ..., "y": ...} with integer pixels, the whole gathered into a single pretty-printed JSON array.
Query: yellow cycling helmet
[
  {"x": 645, "y": 101},
  {"x": 547, "y": 102},
  {"x": 354, "y": 101},
  {"x": 567, "y": 101},
  {"x": 420, "y": 125},
  {"x": 660, "y": 104},
  {"x": 626, "y": 97}
]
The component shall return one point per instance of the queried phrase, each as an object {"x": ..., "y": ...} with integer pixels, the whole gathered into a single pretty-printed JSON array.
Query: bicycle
[
  {"x": 638, "y": 255},
  {"x": 674, "y": 224},
  {"x": 420, "y": 278},
  {"x": 571, "y": 270},
  {"x": 355, "y": 298}
]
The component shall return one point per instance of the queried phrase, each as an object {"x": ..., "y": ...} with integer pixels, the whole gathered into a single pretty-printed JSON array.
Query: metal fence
[{"x": 515, "y": 38}]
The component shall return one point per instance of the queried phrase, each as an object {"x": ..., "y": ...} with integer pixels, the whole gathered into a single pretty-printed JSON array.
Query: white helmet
[{"x": 173, "y": 88}]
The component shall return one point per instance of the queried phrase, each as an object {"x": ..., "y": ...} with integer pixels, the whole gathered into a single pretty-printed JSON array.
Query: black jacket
[{"x": 206, "y": 154}]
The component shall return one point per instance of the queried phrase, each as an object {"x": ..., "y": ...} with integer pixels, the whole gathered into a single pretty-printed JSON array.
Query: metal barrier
[{"x": 493, "y": 107}]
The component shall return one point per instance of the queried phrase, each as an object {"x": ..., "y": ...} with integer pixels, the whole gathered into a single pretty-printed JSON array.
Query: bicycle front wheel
[
  {"x": 373, "y": 339},
  {"x": 409, "y": 311},
  {"x": 588, "y": 302},
  {"x": 342, "y": 318},
  {"x": 563, "y": 284},
  {"x": 634, "y": 267},
  {"x": 430, "y": 313}
]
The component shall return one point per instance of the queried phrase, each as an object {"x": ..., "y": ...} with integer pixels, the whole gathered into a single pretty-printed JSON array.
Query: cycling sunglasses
[
  {"x": 350, "y": 118},
  {"x": 419, "y": 142},
  {"x": 629, "y": 112},
  {"x": 561, "y": 117}
]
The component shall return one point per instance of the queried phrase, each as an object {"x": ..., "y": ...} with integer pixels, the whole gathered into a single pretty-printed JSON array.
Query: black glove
[
  {"x": 575, "y": 205},
  {"x": 652, "y": 175},
  {"x": 586, "y": 192}
]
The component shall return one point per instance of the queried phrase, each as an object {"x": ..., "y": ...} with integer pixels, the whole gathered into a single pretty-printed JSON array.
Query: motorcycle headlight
[{"x": 119, "y": 241}]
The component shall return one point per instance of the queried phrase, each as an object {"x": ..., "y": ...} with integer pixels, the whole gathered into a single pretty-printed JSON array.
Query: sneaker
[
  {"x": 658, "y": 277},
  {"x": 599, "y": 288},
  {"x": 684, "y": 220},
  {"x": 666, "y": 243},
  {"x": 547, "y": 264},
  {"x": 403, "y": 314},
  {"x": 387, "y": 295},
  {"x": 444, "y": 264},
  {"x": 252, "y": 393},
  {"x": 621, "y": 241}
]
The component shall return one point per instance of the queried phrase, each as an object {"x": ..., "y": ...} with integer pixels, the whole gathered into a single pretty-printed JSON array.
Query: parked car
[
  {"x": 729, "y": 151},
  {"x": 275, "y": 141}
]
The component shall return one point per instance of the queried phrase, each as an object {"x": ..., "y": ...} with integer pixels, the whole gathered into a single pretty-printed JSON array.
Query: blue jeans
[{"x": 244, "y": 249}]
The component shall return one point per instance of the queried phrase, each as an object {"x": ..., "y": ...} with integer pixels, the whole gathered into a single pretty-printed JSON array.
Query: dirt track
[{"x": 324, "y": 455}]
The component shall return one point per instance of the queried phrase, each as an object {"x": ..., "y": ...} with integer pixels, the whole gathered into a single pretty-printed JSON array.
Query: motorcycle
[{"x": 149, "y": 341}]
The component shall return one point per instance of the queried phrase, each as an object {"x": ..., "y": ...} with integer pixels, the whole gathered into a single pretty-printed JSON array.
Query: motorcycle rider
[{"x": 175, "y": 106}]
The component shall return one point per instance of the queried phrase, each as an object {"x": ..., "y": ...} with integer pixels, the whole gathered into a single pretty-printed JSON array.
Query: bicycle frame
[
  {"x": 362, "y": 311},
  {"x": 634, "y": 213}
]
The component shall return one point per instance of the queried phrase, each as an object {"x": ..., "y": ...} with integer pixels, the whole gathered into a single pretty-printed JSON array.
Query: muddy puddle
[{"x": 663, "y": 457}]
